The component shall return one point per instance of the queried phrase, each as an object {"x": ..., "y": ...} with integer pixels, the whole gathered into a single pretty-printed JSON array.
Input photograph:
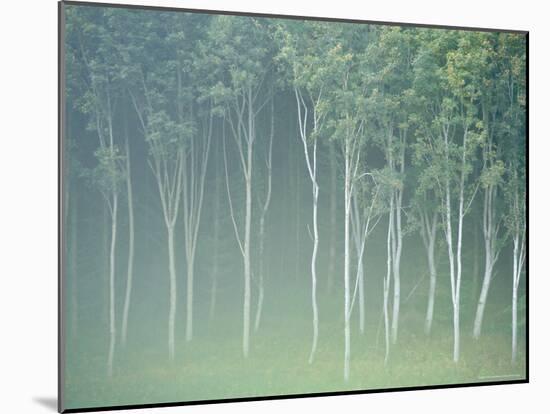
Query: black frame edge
[{"x": 60, "y": 204}]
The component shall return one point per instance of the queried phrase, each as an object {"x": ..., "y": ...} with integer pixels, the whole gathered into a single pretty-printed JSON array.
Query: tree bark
[
  {"x": 490, "y": 232},
  {"x": 387, "y": 283},
  {"x": 74, "y": 265},
  {"x": 190, "y": 281},
  {"x": 333, "y": 212},
  {"x": 429, "y": 230},
  {"x": 172, "y": 293},
  {"x": 129, "y": 276},
  {"x": 112, "y": 269},
  {"x": 347, "y": 200}
]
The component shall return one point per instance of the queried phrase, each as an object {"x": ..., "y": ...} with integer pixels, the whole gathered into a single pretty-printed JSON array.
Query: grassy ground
[{"x": 211, "y": 366}]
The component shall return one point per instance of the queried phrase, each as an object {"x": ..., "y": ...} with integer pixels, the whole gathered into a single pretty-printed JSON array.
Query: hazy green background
[{"x": 211, "y": 366}]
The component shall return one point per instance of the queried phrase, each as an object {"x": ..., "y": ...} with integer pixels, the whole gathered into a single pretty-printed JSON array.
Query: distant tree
[
  {"x": 241, "y": 48},
  {"x": 512, "y": 51},
  {"x": 304, "y": 55},
  {"x": 166, "y": 135},
  {"x": 99, "y": 60},
  {"x": 390, "y": 60},
  {"x": 448, "y": 139},
  {"x": 265, "y": 203},
  {"x": 347, "y": 123}
]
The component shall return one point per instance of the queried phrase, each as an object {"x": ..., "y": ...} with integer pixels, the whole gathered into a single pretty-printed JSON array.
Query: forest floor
[{"x": 211, "y": 366}]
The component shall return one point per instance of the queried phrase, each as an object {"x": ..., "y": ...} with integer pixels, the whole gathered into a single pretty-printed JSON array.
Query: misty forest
[{"x": 263, "y": 206}]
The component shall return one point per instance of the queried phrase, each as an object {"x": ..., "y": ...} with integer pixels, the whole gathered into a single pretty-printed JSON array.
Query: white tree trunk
[
  {"x": 387, "y": 283},
  {"x": 397, "y": 266},
  {"x": 129, "y": 276},
  {"x": 314, "y": 274},
  {"x": 333, "y": 212},
  {"x": 190, "y": 280},
  {"x": 357, "y": 232},
  {"x": 483, "y": 297},
  {"x": 246, "y": 297},
  {"x": 431, "y": 293},
  {"x": 490, "y": 232},
  {"x": 265, "y": 208},
  {"x": 259, "y": 306},
  {"x": 519, "y": 258},
  {"x": 311, "y": 163},
  {"x": 172, "y": 293},
  {"x": 514, "y": 323},
  {"x": 347, "y": 204},
  {"x": 430, "y": 229},
  {"x": 73, "y": 261},
  {"x": 112, "y": 269},
  {"x": 248, "y": 221},
  {"x": 450, "y": 251},
  {"x": 214, "y": 275}
]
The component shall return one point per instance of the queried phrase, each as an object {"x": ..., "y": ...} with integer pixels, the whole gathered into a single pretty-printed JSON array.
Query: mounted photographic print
[{"x": 257, "y": 206}]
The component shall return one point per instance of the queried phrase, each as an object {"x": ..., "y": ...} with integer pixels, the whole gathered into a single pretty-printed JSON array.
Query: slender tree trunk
[
  {"x": 105, "y": 268},
  {"x": 396, "y": 297},
  {"x": 387, "y": 283},
  {"x": 248, "y": 221},
  {"x": 298, "y": 222},
  {"x": 172, "y": 287},
  {"x": 259, "y": 306},
  {"x": 518, "y": 260},
  {"x": 430, "y": 230},
  {"x": 265, "y": 208},
  {"x": 214, "y": 276},
  {"x": 314, "y": 271},
  {"x": 357, "y": 235},
  {"x": 431, "y": 294},
  {"x": 333, "y": 212},
  {"x": 311, "y": 163},
  {"x": 74, "y": 266},
  {"x": 397, "y": 266},
  {"x": 475, "y": 266},
  {"x": 190, "y": 282},
  {"x": 246, "y": 297},
  {"x": 450, "y": 251},
  {"x": 489, "y": 232},
  {"x": 128, "y": 294},
  {"x": 456, "y": 318},
  {"x": 112, "y": 269},
  {"x": 514, "y": 323},
  {"x": 347, "y": 200},
  {"x": 483, "y": 297}
]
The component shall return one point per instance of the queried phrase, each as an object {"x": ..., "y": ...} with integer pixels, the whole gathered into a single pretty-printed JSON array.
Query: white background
[{"x": 28, "y": 204}]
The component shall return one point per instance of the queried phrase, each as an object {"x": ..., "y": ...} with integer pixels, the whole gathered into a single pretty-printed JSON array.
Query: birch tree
[
  {"x": 263, "y": 214},
  {"x": 303, "y": 53},
  {"x": 166, "y": 138},
  {"x": 429, "y": 219},
  {"x": 390, "y": 80},
  {"x": 515, "y": 178},
  {"x": 517, "y": 226},
  {"x": 240, "y": 45},
  {"x": 365, "y": 215},
  {"x": 447, "y": 143},
  {"x": 195, "y": 162},
  {"x": 348, "y": 126},
  {"x": 130, "y": 268},
  {"x": 98, "y": 57},
  {"x": 496, "y": 100}
]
